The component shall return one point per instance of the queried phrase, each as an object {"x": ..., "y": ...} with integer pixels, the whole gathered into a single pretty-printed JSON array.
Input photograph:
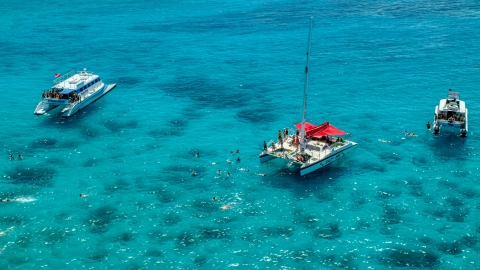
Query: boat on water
[
  {"x": 312, "y": 147},
  {"x": 72, "y": 92},
  {"x": 451, "y": 114}
]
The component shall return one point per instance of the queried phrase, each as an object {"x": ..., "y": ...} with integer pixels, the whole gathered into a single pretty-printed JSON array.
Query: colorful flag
[{"x": 57, "y": 75}]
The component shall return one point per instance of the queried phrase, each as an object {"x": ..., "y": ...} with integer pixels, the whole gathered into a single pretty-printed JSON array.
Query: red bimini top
[{"x": 321, "y": 130}]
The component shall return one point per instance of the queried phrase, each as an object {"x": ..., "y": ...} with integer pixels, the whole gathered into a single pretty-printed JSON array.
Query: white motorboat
[
  {"x": 73, "y": 91},
  {"x": 451, "y": 114},
  {"x": 312, "y": 147}
]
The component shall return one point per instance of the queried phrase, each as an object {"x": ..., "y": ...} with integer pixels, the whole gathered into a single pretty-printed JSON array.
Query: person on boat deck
[
  {"x": 462, "y": 118},
  {"x": 273, "y": 146},
  {"x": 280, "y": 137},
  {"x": 265, "y": 147},
  {"x": 297, "y": 141},
  {"x": 285, "y": 133}
]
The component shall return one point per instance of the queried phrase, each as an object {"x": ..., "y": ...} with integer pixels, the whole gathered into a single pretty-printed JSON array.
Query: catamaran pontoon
[
  {"x": 73, "y": 91},
  {"x": 317, "y": 146},
  {"x": 452, "y": 114}
]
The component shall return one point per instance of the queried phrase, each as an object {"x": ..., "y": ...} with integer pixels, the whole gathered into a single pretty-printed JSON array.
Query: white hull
[
  {"x": 72, "y": 109},
  {"x": 450, "y": 125},
  {"x": 313, "y": 163},
  {"x": 334, "y": 156}
]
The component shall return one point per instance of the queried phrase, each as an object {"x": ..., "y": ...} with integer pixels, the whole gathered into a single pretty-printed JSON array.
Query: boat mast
[{"x": 302, "y": 134}]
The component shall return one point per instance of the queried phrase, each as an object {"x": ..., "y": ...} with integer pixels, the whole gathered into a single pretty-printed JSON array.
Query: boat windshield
[{"x": 453, "y": 95}]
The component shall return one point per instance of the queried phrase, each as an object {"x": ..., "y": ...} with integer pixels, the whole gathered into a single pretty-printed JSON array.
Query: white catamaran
[
  {"x": 312, "y": 147},
  {"x": 452, "y": 114},
  {"x": 73, "y": 91}
]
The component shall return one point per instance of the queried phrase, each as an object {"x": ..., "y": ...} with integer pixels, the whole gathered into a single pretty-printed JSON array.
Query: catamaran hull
[
  {"x": 264, "y": 157},
  {"x": 43, "y": 107},
  {"x": 308, "y": 168},
  {"x": 89, "y": 100},
  {"x": 445, "y": 125}
]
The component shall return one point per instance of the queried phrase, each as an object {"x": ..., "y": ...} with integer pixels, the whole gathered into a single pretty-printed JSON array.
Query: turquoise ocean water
[{"x": 217, "y": 76}]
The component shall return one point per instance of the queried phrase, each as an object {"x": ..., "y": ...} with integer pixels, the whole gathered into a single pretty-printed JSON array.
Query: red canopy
[{"x": 321, "y": 130}]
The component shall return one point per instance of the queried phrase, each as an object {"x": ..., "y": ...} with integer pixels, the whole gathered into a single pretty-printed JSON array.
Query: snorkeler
[{"x": 7, "y": 231}]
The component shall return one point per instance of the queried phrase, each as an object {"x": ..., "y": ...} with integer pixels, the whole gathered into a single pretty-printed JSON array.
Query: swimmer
[
  {"x": 219, "y": 172},
  {"x": 238, "y": 151},
  {"x": 428, "y": 125},
  {"x": 238, "y": 160},
  {"x": 20, "y": 156},
  {"x": 260, "y": 174},
  {"x": 194, "y": 173},
  {"x": 11, "y": 157},
  {"x": 197, "y": 154},
  {"x": 7, "y": 231},
  {"x": 228, "y": 174},
  {"x": 231, "y": 152},
  {"x": 385, "y": 141},
  {"x": 225, "y": 207},
  {"x": 229, "y": 161},
  {"x": 214, "y": 198},
  {"x": 6, "y": 200},
  {"x": 243, "y": 170},
  {"x": 83, "y": 195}
]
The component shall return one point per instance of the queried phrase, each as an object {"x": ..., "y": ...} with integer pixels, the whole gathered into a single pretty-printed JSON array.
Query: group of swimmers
[
  {"x": 219, "y": 172},
  {"x": 19, "y": 157},
  {"x": 453, "y": 117},
  {"x": 74, "y": 97}
]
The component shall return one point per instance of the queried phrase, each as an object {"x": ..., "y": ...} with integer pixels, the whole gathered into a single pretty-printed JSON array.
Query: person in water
[
  {"x": 238, "y": 160},
  {"x": 228, "y": 174},
  {"x": 20, "y": 156},
  {"x": 7, "y": 231},
  {"x": 428, "y": 125},
  {"x": 11, "y": 157},
  {"x": 197, "y": 154},
  {"x": 219, "y": 172},
  {"x": 260, "y": 174},
  {"x": 194, "y": 173}
]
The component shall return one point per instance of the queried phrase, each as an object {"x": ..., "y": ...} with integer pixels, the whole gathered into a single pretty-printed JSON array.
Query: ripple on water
[
  {"x": 100, "y": 218},
  {"x": 159, "y": 236},
  {"x": 209, "y": 233},
  {"x": 44, "y": 143},
  {"x": 257, "y": 116},
  {"x": 124, "y": 237},
  {"x": 153, "y": 253},
  {"x": 346, "y": 261},
  {"x": 400, "y": 257},
  {"x": 458, "y": 214},
  {"x": 117, "y": 126},
  {"x": 328, "y": 231},
  {"x": 284, "y": 231},
  {"x": 117, "y": 185},
  {"x": 97, "y": 255},
  {"x": 171, "y": 218},
  {"x": 40, "y": 176}
]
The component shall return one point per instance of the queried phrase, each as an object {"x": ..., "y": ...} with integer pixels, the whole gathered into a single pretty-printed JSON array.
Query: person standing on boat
[
  {"x": 280, "y": 138},
  {"x": 285, "y": 134},
  {"x": 265, "y": 146}
]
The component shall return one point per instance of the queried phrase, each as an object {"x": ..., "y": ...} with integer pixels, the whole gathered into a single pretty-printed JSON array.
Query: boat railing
[{"x": 64, "y": 76}]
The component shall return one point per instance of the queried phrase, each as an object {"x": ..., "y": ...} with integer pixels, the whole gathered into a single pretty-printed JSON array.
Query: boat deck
[{"x": 315, "y": 150}]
